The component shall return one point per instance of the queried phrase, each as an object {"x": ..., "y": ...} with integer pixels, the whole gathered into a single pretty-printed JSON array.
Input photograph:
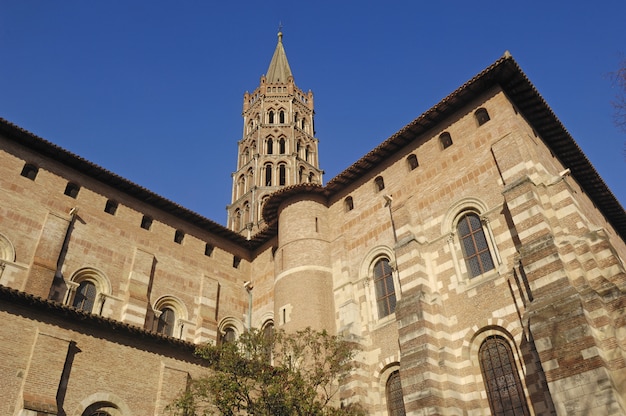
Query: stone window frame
[
  {"x": 449, "y": 229},
  {"x": 472, "y": 350},
  {"x": 180, "y": 314},
  {"x": 482, "y": 116},
  {"x": 226, "y": 324},
  {"x": 383, "y": 377},
  {"x": 101, "y": 283},
  {"x": 366, "y": 274}
]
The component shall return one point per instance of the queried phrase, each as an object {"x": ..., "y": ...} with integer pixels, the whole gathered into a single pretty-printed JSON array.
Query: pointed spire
[{"x": 279, "y": 71}]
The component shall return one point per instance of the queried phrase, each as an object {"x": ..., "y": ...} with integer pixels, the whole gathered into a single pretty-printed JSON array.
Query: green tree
[{"x": 275, "y": 374}]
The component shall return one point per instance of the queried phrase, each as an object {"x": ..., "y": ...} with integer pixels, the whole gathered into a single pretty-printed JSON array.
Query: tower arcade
[{"x": 278, "y": 147}]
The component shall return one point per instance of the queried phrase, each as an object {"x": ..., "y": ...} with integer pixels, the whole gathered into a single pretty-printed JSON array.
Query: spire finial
[{"x": 280, "y": 32}]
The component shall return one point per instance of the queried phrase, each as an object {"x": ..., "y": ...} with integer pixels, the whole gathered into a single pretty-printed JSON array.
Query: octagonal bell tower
[{"x": 278, "y": 147}]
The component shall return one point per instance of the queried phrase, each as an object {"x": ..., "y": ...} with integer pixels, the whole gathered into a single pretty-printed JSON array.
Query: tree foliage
[{"x": 266, "y": 374}]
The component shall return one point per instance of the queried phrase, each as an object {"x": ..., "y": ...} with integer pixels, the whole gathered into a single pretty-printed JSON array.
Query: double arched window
[
  {"x": 384, "y": 288},
  {"x": 88, "y": 289}
]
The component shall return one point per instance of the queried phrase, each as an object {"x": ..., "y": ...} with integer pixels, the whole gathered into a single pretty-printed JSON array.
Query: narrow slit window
[
  {"x": 282, "y": 175},
  {"x": 236, "y": 261},
  {"x": 411, "y": 161},
  {"x": 208, "y": 249},
  {"x": 379, "y": 182},
  {"x": 348, "y": 204}
]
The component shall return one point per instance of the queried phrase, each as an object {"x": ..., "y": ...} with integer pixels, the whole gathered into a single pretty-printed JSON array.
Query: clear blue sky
[{"x": 153, "y": 90}]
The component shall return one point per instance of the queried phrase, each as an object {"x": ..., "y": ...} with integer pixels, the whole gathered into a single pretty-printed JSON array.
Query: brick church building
[{"x": 475, "y": 256}]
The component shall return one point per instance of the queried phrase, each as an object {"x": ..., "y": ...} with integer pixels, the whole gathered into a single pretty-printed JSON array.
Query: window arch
[
  {"x": 169, "y": 315},
  {"x": 88, "y": 288},
  {"x": 474, "y": 245},
  {"x": 249, "y": 180},
  {"x": 482, "y": 116},
  {"x": 501, "y": 378},
  {"x": 411, "y": 161},
  {"x": 270, "y": 146},
  {"x": 281, "y": 146},
  {"x": 271, "y": 117},
  {"x": 379, "y": 183},
  {"x": 307, "y": 154},
  {"x": 268, "y": 174},
  {"x": 445, "y": 139},
  {"x": 282, "y": 174},
  {"x": 348, "y": 203},
  {"x": 281, "y": 117},
  {"x": 394, "y": 396},
  {"x": 7, "y": 250},
  {"x": 237, "y": 220},
  {"x": 229, "y": 330},
  {"x": 312, "y": 178},
  {"x": 384, "y": 288}
]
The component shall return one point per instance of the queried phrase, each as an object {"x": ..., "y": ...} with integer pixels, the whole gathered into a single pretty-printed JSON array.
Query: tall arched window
[
  {"x": 385, "y": 290},
  {"x": 165, "y": 325},
  {"x": 85, "y": 296},
  {"x": 502, "y": 382},
  {"x": 379, "y": 183},
  {"x": 281, "y": 117},
  {"x": 301, "y": 174},
  {"x": 348, "y": 203},
  {"x": 474, "y": 245},
  {"x": 281, "y": 146},
  {"x": 282, "y": 175},
  {"x": 268, "y": 175},
  {"x": 270, "y": 146},
  {"x": 237, "y": 220},
  {"x": 271, "y": 117},
  {"x": 393, "y": 393}
]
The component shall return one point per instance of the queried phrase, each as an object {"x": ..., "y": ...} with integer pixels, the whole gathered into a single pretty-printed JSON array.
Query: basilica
[{"x": 476, "y": 258}]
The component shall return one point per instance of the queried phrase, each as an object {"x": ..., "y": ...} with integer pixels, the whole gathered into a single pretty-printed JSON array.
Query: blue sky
[{"x": 153, "y": 90}]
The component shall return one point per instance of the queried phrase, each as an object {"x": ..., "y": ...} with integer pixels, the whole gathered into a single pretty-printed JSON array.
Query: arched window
[
  {"x": 281, "y": 146},
  {"x": 282, "y": 175},
  {"x": 307, "y": 153},
  {"x": 298, "y": 146},
  {"x": 246, "y": 213},
  {"x": 271, "y": 117},
  {"x": 165, "y": 324},
  {"x": 411, "y": 161},
  {"x": 30, "y": 171},
  {"x": 281, "y": 117},
  {"x": 502, "y": 382},
  {"x": 474, "y": 245},
  {"x": 393, "y": 393},
  {"x": 237, "y": 220},
  {"x": 311, "y": 177},
  {"x": 111, "y": 207},
  {"x": 348, "y": 203},
  {"x": 482, "y": 116},
  {"x": 268, "y": 175},
  {"x": 241, "y": 183},
  {"x": 85, "y": 296},
  {"x": 445, "y": 139},
  {"x": 384, "y": 287},
  {"x": 270, "y": 146},
  {"x": 301, "y": 174},
  {"x": 249, "y": 180},
  {"x": 179, "y": 236},
  {"x": 379, "y": 182},
  {"x": 229, "y": 335}
]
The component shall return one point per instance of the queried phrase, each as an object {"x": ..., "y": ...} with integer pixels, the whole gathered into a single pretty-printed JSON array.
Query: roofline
[
  {"x": 85, "y": 319},
  {"x": 50, "y": 150},
  {"x": 506, "y": 74}
]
